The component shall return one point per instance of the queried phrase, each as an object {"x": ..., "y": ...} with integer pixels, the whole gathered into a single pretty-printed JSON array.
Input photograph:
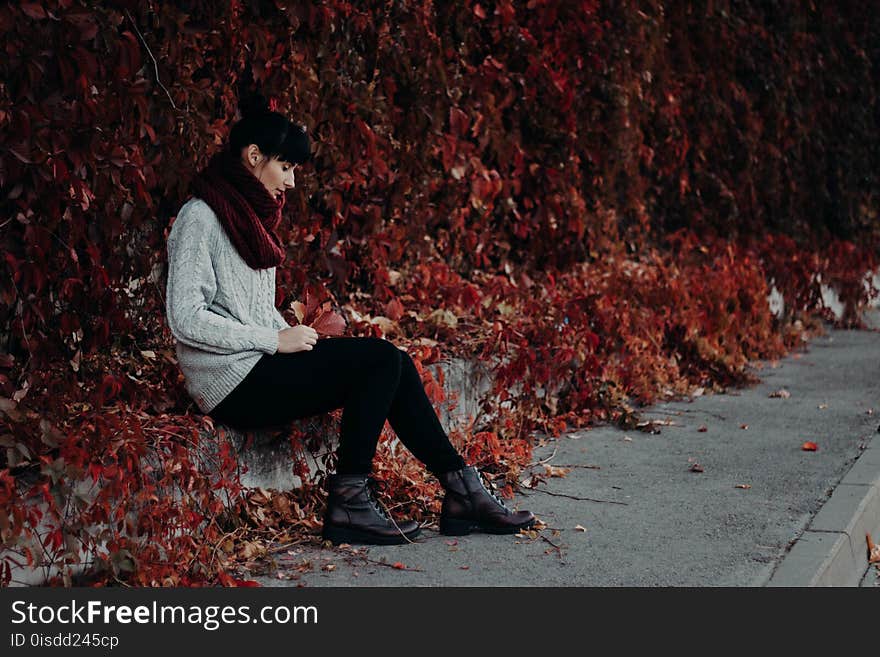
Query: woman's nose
[{"x": 290, "y": 181}]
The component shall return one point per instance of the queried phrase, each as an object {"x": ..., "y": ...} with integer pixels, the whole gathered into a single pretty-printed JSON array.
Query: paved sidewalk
[{"x": 745, "y": 520}]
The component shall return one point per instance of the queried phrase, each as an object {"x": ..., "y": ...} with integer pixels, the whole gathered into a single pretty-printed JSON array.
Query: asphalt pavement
[{"x": 724, "y": 495}]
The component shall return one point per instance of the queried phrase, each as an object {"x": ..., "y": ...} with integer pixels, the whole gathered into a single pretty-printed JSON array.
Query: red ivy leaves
[
  {"x": 110, "y": 387},
  {"x": 457, "y": 190}
]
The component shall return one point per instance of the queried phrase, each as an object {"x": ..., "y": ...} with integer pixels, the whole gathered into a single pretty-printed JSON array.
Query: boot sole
[
  {"x": 465, "y": 527},
  {"x": 337, "y": 535}
]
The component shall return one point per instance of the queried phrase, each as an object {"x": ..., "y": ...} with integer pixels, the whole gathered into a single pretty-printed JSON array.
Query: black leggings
[{"x": 369, "y": 378}]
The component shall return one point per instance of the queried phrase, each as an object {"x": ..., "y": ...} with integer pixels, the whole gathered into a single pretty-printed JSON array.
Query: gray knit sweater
[{"x": 221, "y": 311}]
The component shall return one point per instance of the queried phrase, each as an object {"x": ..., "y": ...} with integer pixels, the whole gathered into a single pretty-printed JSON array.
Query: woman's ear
[{"x": 254, "y": 156}]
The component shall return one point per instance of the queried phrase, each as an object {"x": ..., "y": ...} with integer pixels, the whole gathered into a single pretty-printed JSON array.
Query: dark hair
[{"x": 272, "y": 132}]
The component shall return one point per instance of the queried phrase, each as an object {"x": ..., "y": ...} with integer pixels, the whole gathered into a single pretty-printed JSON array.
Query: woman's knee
[
  {"x": 384, "y": 352},
  {"x": 406, "y": 360}
]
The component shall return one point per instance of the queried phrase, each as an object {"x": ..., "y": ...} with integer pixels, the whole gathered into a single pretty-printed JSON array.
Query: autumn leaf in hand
[
  {"x": 306, "y": 312},
  {"x": 320, "y": 316},
  {"x": 329, "y": 322}
]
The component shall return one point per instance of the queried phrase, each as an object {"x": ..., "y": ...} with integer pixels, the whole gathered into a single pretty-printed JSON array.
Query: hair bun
[{"x": 253, "y": 105}]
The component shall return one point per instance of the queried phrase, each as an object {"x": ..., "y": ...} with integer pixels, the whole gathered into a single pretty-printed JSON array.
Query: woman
[{"x": 246, "y": 367}]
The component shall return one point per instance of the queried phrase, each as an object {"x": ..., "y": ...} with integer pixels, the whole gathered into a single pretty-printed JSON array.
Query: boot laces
[
  {"x": 371, "y": 495},
  {"x": 491, "y": 489},
  {"x": 381, "y": 510}
]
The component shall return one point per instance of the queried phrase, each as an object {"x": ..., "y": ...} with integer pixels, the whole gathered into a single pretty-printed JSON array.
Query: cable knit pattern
[{"x": 221, "y": 311}]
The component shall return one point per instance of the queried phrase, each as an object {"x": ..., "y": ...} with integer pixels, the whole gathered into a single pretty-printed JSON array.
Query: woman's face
[{"x": 276, "y": 175}]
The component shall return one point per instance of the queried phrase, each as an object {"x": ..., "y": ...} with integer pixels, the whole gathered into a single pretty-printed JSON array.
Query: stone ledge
[{"x": 267, "y": 461}]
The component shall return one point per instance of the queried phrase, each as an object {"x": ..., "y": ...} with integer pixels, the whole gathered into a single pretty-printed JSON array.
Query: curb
[{"x": 832, "y": 551}]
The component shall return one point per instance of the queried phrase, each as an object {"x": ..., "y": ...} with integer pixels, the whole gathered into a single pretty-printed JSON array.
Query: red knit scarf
[{"x": 247, "y": 211}]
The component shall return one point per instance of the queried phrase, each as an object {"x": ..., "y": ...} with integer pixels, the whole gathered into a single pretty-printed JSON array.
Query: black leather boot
[
  {"x": 469, "y": 505},
  {"x": 355, "y": 516}
]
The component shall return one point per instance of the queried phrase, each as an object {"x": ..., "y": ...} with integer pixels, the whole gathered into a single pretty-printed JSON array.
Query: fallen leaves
[
  {"x": 75, "y": 361},
  {"x": 873, "y": 550},
  {"x": 743, "y": 486},
  {"x": 703, "y": 428},
  {"x": 696, "y": 467},
  {"x": 782, "y": 393},
  {"x": 527, "y": 533},
  {"x": 387, "y": 326},
  {"x": 809, "y": 446},
  {"x": 250, "y": 549},
  {"x": 651, "y": 426},
  {"x": 9, "y": 408},
  {"x": 744, "y": 426},
  {"x": 443, "y": 318},
  {"x": 580, "y": 528},
  {"x": 18, "y": 395},
  {"x": 278, "y": 506},
  {"x": 394, "y": 309},
  {"x": 554, "y": 471}
]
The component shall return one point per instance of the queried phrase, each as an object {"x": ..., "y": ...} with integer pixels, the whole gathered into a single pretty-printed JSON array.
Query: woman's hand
[{"x": 296, "y": 338}]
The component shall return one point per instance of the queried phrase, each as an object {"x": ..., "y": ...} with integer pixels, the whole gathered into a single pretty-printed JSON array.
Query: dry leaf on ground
[
  {"x": 665, "y": 423},
  {"x": 809, "y": 446},
  {"x": 873, "y": 550},
  {"x": 555, "y": 471}
]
